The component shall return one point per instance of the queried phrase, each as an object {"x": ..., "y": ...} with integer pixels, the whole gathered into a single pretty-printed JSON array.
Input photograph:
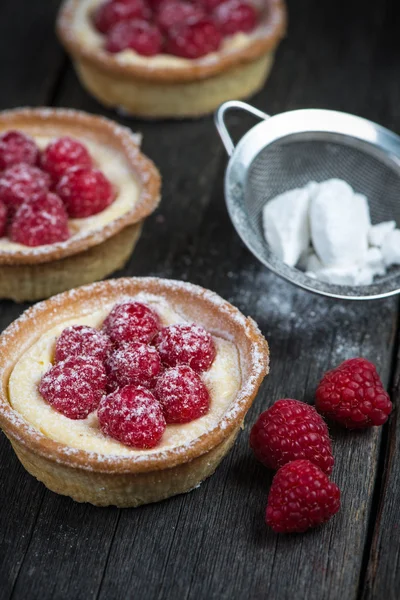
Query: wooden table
[{"x": 213, "y": 543}]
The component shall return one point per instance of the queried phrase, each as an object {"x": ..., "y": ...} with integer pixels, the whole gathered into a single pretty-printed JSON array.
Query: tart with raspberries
[
  {"x": 74, "y": 191},
  {"x": 171, "y": 58},
  {"x": 128, "y": 391}
]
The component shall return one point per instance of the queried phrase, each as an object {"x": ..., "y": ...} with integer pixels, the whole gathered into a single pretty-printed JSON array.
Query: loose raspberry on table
[
  {"x": 62, "y": 154},
  {"x": 177, "y": 12},
  {"x": 301, "y": 496},
  {"x": 20, "y": 183},
  {"x": 132, "y": 416},
  {"x": 140, "y": 36},
  {"x": 81, "y": 340},
  {"x": 193, "y": 40},
  {"x": 75, "y": 386},
  {"x": 131, "y": 321},
  {"x": 113, "y": 12},
  {"x": 353, "y": 395},
  {"x": 234, "y": 16},
  {"x": 39, "y": 221},
  {"x": 133, "y": 363},
  {"x": 186, "y": 344},
  {"x": 17, "y": 147},
  {"x": 3, "y": 219},
  {"x": 291, "y": 430},
  {"x": 85, "y": 192},
  {"x": 182, "y": 394}
]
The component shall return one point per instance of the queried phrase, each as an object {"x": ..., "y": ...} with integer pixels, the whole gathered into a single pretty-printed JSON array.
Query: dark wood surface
[{"x": 212, "y": 543}]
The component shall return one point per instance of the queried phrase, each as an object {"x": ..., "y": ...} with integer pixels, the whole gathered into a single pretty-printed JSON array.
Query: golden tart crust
[
  {"x": 34, "y": 273},
  {"x": 193, "y": 88},
  {"x": 130, "y": 480}
]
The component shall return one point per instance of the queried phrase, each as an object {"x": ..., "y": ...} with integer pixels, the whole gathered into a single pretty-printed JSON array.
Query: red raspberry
[
  {"x": 113, "y": 12},
  {"x": 132, "y": 416},
  {"x": 234, "y": 16},
  {"x": 176, "y": 12},
  {"x": 74, "y": 387},
  {"x": 62, "y": 154},
  {"x": 182, "y": 394},
  {"x": 193, "y": 40},
  {"x": 39, "y": 221},
  {"x": 210, "y": 5},
  {"x": 141, "y": 36},
  {"x": 81, "y": 340},
  {"x": 291, "y": 430},
  {"x": 20, "y": 183},
  {"x": 3, "y": 219},
  {"x": 133, "y": 363},
  {"x": 17, "y": 147},
  {"x": 186, "y": 344},
  {"x": 301, "y": 496},
  {"x": 353, "y": 395},
  {"x": 85, "y": 192},
  {"x": 131, "y": 321}
]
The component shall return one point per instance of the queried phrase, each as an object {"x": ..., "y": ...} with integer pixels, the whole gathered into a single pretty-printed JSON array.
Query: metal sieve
[{"x": 287, "y": 151}]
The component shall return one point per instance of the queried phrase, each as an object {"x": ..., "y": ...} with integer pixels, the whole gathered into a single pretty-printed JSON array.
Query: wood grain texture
[{"x": 212, "y": 543}]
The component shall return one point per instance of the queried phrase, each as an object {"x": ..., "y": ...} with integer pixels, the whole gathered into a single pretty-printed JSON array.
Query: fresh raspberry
[
  {"x": 85, "y": 192},
  {"x": 186, "y": 344},
  {"x": 3, "y": 219},
  {"x": 182, "y": 394},
  {"x": 141, "y": 36},
  {"x": 291, "y": 430},
  {"x": 193, "y": 40},
  {"x": 132, "y": 416},
  {"x": 62, "y": 154},
  {"x": 21, "y": 182},
  {"x": 81, "y": 340},
  {"x": 301, "y": 496},
  {"x": 133, "y": 363},
  {"x": 234, "y": 16},
  {"x": 17, "y": 147},
  {"x": 210, "y": 5},
  {"x": 74, "y": 387},
  {"x": 39, "y": 221},
  {"x": 177, "y": 12},
  {"x": 113, "y": 12},
  {"x": 131, "y": 321},
  {"x": 353, "y": 395}
]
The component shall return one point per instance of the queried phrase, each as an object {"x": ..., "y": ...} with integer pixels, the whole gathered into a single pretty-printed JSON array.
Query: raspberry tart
[
  {"x": 89, "y": 429},
  {"x": 171, "y": 58},
  {"x": 74, "y": 191}
]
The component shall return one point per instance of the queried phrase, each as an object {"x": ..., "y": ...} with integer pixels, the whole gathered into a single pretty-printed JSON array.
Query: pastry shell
[
  {"x": 40, "y": 272},
  {"x": 122, "y": 480},
  {"x": 192, "y": 90}
]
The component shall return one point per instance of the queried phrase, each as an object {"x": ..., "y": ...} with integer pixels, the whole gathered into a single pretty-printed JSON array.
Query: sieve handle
[{"x": 220, "y": 120}]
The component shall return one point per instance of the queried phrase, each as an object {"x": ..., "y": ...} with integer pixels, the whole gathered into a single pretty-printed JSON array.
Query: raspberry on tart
[
  {"x": 3, "y": 219},
  {"x": 177, "y": 12},
  {"x": 85, "y": 191},
  {"x": 143, "y": 37},
  {"x": 234, "y": 16},
  {"x": 81, "y": 340},
  {"x": 40, "y": 221},
  {"x": 62, "y": 154},
  {"x": 20, "y": 183},
  {"x": 193, "y": 39},
  {"x": 17, "y": 147},
  {"x": 112, "y": 12},
  {"x": 133, "y": 363},
  {"x": 186, "y": 344},
  {"x": 75, "y": 386},
  {"x": 132, "y": 416},
  {"x": 130, "y": 321},
  {"x": 301, "y": 496},
  {"x": 182, "y": 394}
]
